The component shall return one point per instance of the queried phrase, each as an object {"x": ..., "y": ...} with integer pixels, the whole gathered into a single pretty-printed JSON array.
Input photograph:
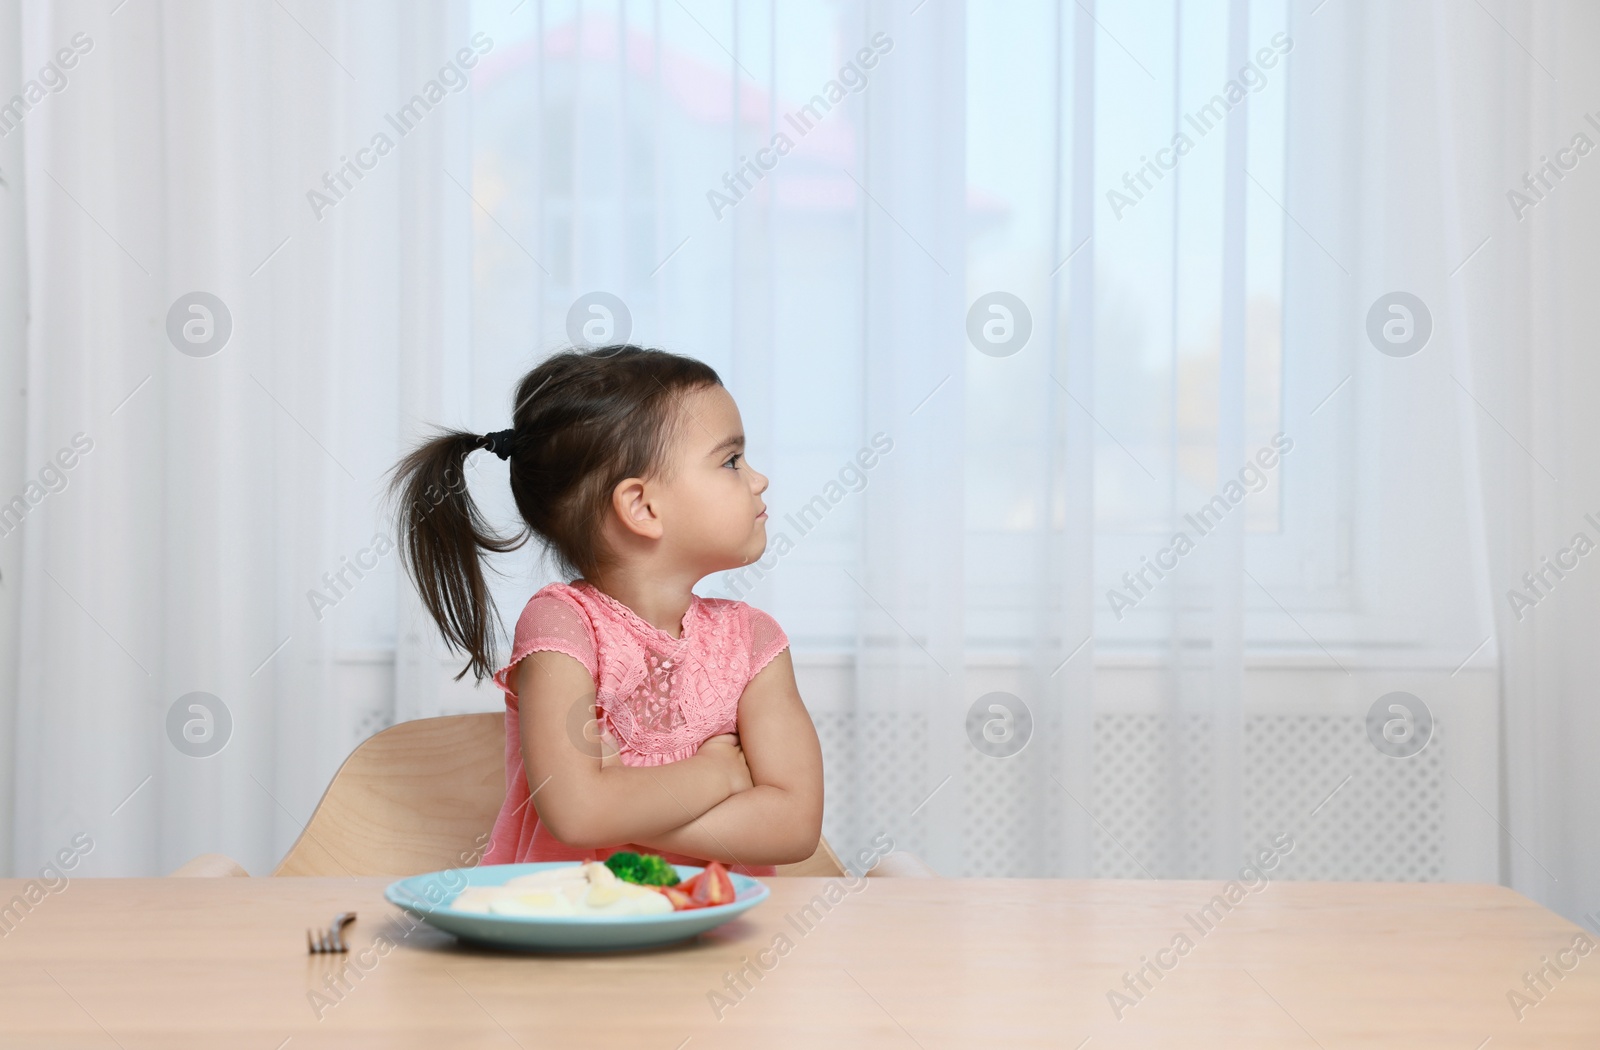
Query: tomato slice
[
  {"x": 723, "y": 892},
  {"x": 681, "y": 901},
  {"x": 712, "y": 886}
]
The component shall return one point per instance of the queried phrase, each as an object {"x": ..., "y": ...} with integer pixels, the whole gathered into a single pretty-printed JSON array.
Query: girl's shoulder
[
  {"x": 554, "y": 620},
  {"x": 565, "y": 592},
  {"x": 729, "y": 609},
  {"x": 751, "y": 627},
  {"x": 559, "y": 600}
]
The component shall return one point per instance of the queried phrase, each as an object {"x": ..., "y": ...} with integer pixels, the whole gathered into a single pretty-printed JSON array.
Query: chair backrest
[
  {"x": 416, "y": 797},
  {"x": 423, "y": 795}
]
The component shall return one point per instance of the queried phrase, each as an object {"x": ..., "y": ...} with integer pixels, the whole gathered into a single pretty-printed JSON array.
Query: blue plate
[{"x": 429, "y": 896}]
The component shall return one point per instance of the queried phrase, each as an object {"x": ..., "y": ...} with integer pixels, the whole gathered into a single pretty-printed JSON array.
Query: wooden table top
[{"x": 929, "y": 963}]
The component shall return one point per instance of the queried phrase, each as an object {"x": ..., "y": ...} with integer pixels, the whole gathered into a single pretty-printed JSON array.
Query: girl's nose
[{"x": 761, "y": 481}]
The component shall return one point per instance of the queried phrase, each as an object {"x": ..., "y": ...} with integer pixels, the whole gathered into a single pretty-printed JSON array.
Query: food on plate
[
  {"x": 706, "y": 890},
  {"x": 579, "y": 890},
  {"x": 646, "y": 869},
  {"x": 595, "y": 889}
]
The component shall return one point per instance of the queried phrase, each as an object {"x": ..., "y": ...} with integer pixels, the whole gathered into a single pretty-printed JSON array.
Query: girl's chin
[{"x": 750, "y": 555}]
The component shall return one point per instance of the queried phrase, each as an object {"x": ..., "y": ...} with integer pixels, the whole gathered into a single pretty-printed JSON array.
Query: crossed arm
[
  {"x": 779, "y": 819},
  {"x": 689, "y": 807}
]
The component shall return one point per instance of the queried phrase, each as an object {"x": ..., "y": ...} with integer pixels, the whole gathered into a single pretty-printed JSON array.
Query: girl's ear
[{"x": 631, "y": 502}]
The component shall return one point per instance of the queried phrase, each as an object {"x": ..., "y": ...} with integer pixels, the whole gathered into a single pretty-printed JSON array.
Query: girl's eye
[{"x": 733, "y": 460}]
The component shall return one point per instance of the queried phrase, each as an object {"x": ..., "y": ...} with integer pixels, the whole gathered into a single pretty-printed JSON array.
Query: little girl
[{"x": 639, "y": 716}]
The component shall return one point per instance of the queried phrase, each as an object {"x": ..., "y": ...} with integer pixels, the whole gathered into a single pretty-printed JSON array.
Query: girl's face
[{"x": 710, "y": 501}]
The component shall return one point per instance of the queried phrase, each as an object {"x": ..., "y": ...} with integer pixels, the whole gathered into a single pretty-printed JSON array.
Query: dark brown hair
[{"x": 583, "y": 421}]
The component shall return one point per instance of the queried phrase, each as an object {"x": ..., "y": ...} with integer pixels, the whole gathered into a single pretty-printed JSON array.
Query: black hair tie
[{"x": 499, "y": 442}]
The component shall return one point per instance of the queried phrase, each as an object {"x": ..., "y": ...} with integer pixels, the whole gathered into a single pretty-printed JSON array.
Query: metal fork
[{"x": 329, "y": 940}]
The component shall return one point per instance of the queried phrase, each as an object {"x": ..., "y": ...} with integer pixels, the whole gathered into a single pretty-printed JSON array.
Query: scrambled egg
[{"x": 589, "y": 889}]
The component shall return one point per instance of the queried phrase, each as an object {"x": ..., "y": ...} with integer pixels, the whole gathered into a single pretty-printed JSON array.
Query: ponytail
[{"x": 442, "y": 537}]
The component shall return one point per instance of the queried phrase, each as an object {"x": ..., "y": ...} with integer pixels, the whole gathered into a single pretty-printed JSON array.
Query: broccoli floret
[{"x": 645, "y": 870}]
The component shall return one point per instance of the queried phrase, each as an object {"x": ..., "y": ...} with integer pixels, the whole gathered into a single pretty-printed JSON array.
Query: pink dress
[{"x": 660, "y": 697}]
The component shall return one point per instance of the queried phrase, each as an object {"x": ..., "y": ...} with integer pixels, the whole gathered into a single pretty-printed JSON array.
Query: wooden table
[{"x": 935, "y": 963}]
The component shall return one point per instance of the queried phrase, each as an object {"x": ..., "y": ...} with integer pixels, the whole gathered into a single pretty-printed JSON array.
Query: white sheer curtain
[
  {"x": 964, "y": 527},
  {"x": 1526, "y": 315},
  {"x": 181, "y": 553}
]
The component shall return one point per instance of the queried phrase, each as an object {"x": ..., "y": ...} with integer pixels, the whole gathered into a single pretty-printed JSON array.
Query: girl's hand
[{"x": 725, "y": 748}]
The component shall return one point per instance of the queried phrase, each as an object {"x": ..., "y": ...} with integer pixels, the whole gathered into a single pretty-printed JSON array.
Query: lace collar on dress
[{"x": 687, "y": 627}]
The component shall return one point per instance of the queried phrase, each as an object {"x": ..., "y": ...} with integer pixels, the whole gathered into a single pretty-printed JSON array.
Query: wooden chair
[{"x": 423, "y": 795}]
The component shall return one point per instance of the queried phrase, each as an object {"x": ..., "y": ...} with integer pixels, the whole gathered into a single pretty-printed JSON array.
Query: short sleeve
[
  {"x": 767, "y": 640},
  {"x": 550, "y": 623}
]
